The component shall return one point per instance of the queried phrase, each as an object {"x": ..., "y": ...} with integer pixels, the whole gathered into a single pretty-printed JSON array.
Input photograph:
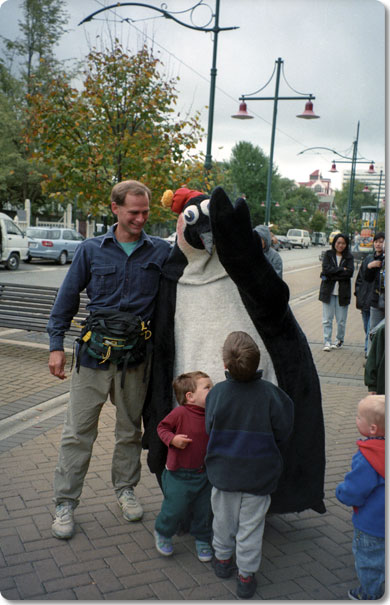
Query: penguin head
[{"x": 194, "y": 221}]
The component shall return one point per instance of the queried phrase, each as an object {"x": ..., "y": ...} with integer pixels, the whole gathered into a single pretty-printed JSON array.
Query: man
[{"x": 120, "y": 271}]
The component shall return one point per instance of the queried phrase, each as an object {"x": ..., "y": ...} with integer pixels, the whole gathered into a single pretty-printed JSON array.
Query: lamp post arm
[
  {"x": 163, "y": 12},
  {"x": 245, "y": 98}
]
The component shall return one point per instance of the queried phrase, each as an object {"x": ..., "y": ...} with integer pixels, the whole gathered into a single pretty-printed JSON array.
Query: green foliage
[
  {"x": 318, "y": 221},
  {"x": 121, "y": 125},
  {"x": 359, "y": 199}
]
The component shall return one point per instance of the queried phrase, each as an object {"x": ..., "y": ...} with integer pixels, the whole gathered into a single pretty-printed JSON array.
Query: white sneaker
[
  {"x": 338, "y": 344},
  {"x": 63, "y": 524},
  {"x": 131, "y": 508},
  {"x": 327, "y": 347}
]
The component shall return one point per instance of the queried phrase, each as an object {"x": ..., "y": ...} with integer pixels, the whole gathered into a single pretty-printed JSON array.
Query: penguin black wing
[{"x": 265, "y": 297}]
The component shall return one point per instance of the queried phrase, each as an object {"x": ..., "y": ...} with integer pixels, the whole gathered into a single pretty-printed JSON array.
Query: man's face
[
  {"x": 378, "y": 245},
  {"x": 132, "y": 216}
]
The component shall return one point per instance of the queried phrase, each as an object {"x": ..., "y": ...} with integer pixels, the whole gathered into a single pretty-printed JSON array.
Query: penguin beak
[{"x": 207, "y": 241}]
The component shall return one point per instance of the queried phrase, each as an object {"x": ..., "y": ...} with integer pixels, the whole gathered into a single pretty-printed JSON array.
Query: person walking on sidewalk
[
  {"x": 375, "y": 273},
  {"x": 364, "y": 289},
  {"x": 184, "y": 480},
  {"x": 120, "y": 271},
  {"x": 248, "y": 420},
  {"x": 335, "y": 289},
  {"x": 363, "y": 488}
]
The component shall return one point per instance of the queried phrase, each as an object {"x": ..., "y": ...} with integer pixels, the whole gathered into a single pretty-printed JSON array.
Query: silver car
[{"x": 52, "y": 243}]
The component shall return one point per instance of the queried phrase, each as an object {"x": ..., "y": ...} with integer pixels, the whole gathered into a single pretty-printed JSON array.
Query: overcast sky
[{"x": 334, "y": 49}]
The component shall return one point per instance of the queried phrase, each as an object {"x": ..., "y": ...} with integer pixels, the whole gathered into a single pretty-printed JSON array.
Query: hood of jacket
[
  {"x": 374, "y": 451},
  {"x": 265, "y": 235}
]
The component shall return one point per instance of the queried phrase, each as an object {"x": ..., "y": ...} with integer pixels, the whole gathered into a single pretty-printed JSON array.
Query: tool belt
[{"x": 115, "y": 336}]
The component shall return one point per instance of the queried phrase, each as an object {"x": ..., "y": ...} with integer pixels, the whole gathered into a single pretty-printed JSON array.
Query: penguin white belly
[{"x": 205, "y": 314}]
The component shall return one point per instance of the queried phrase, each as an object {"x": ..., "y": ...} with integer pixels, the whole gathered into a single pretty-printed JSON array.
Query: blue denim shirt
[{"x": 112, "y": 279}]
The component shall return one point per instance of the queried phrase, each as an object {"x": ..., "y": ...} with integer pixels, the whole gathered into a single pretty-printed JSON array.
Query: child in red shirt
[{"x": 184, "y": 480}]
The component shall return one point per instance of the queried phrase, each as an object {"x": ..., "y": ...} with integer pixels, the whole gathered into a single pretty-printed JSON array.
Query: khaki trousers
[{"x": 89, "y": 391}]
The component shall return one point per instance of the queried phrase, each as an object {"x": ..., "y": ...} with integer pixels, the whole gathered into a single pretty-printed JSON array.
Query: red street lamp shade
[
  {"x": 262, "y": 203},
  {"x": 371, "y": 169},
  {"x": 366, "y": 189},
  {"x": 308, "y": 114},
  {"x": 292, "y": 210},
  {"x": 242, "y": 113},
  {"x": 333, "y": 169},
  {"x": 304, "y": 210},
  {"x": 277, "y": 205}
]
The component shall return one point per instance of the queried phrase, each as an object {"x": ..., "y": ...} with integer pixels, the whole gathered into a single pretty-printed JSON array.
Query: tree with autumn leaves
[{"x": 121, "y": 124}]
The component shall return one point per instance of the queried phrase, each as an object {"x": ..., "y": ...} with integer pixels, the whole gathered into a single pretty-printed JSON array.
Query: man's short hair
[
  {"x": 241, "y": 356},
  {"x": 186, "y": 383},
  {"x": 120, "y": 190},
  {"x": 379, "y": 235}
]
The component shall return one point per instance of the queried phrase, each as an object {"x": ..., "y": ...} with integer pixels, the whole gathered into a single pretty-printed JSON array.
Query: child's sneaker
[
  {"x": 223, "y": 567},
  {"x": 163, "y": 545},
  {"x": 246, "y": 586},
  {"x": 204, "y": 551}
]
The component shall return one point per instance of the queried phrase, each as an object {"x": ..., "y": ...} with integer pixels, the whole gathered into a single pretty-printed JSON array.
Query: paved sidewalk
[{"x": 305, "y": 556}]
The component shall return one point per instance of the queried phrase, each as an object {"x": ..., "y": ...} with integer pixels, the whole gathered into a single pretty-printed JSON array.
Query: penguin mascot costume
[{"x": 217, "y": 280}]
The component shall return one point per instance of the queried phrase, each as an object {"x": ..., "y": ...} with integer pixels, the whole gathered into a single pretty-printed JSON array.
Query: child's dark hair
[
  {"x": 241, "y": 355},
  {"x": 186, "y": 383}
]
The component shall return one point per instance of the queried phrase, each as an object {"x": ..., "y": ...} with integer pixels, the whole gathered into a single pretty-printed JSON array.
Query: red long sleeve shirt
[{"x": 185, "y": 420}]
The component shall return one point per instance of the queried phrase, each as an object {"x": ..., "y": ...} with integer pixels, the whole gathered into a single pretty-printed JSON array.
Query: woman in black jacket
[{"x": 335, "y": 289}]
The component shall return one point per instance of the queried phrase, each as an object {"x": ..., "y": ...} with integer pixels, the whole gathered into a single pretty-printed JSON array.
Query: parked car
[
  {"x": 299, "y": 237},
  {"x": 318, "y": 238},
  {"x": 53, "y": 243},
  {"x": 171, "y": 238},
  {"x": 284, "y": 242},
  {"x": 13, "y": 243}
]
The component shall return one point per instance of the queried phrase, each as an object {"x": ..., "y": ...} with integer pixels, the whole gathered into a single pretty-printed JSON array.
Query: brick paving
[{"x": 305, "y": 556}]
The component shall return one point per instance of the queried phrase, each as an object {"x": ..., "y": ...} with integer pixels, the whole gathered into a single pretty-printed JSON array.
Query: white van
[
  {"x": 13, "y": 243},
  {"x": 299, "y": 237}
]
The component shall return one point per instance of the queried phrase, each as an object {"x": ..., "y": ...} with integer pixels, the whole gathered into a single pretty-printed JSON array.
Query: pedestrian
[
  {"x": 184, "y": 480},
  {"x": 120, "y": 271},
  {"x": 271, "y": 255},
  {"x": 375, "y": 370},
  {"x": 248, "y": 420},
  {"x": 364, "y": 289},
  {"x": 375, "y": 273},
  {"x": 335, "y": 289},
  {"x": 363, "y": 488}
]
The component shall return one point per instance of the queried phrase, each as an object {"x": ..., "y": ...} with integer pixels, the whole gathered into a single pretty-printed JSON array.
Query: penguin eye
[
  {"x": 191, "y": 214},
  {"x": 205, "y": 207}
]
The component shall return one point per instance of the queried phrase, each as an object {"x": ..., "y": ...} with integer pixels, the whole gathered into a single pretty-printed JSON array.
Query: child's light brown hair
[
  {"x": 241, "y": 356},
  {"x": 186, "y": 383},
  {"x": 374, "y": 410}
]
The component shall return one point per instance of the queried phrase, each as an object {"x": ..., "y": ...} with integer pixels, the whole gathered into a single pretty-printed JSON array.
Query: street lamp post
[
  {"x": 347, "y": 160},
  {"x": 242, "y": 114},
  {"x": 215, "y": 29}
]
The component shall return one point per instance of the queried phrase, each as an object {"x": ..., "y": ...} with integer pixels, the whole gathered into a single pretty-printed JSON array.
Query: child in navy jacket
[
  {"x": 363, "y": 488},
  {"x": 249, "y": 420}
]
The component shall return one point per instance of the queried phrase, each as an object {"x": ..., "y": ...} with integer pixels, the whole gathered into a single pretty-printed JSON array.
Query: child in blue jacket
[{"x": 363, "y": 488}]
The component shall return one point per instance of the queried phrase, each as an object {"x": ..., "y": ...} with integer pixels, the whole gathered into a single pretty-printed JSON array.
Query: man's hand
[
  {"x": 180, "y": 441},
  {"x": 57, "y": 364},
  {"x": 374, "y": 264}
]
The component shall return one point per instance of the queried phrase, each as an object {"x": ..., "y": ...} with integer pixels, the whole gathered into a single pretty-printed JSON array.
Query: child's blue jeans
[{"x": 369, "y": 553}]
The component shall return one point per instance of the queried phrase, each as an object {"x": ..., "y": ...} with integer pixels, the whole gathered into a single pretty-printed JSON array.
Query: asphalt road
[{"x": 47, "y": 273}]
